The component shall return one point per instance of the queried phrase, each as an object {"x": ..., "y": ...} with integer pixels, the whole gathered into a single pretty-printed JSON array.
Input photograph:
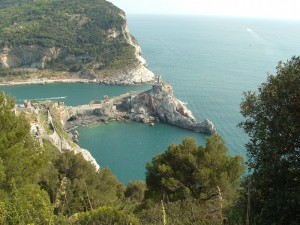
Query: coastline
[
  {"x": 156, "y": 105},
  {"x": 152, "y": 106},
  {"x": 137, "y": 76},
  {"x": 46, "y": 81}
]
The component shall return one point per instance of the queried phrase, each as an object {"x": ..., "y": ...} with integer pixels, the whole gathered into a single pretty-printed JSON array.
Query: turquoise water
[
  {"x": 125, "y": 148},
  {"x": 209, "y": 62},
  {"x": 71, "y": 94}
]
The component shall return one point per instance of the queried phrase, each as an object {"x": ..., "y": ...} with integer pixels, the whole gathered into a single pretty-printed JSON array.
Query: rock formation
[
  {"x": 44, "y": 120},
  {"x": 157, "y": 104}
]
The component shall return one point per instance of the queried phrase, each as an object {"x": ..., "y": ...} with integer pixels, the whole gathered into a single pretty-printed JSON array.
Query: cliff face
[
  {"x": 47, "y": 121},
  {"x": 33, "y": 56},
  {"x": 86, "y": 37}
]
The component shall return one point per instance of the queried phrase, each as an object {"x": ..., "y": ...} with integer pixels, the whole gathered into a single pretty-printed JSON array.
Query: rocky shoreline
[
  {"x": 136, "y": 76},
  {"x": 155, "y": 105}
]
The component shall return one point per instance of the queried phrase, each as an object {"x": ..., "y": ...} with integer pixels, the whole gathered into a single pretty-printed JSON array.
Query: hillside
[{"x": 89, "y": 37}]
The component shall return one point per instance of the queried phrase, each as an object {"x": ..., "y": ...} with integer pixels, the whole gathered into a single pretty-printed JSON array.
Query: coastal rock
[
  {"x": 40, "y": 129},
  {"x": 157, "y": 103}
]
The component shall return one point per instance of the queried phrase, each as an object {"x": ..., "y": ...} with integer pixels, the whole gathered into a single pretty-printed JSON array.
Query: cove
[{"x": 125, "y": 148}]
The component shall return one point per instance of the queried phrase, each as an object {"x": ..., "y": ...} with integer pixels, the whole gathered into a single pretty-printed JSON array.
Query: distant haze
[{"x": 287, "y": 9}]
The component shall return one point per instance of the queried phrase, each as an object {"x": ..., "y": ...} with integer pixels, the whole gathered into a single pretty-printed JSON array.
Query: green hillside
[{"x": 79, "y": 28}]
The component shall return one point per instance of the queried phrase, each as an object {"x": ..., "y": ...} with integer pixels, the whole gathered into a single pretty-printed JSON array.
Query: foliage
[
  {"x": 77, "y": 187},
  {"x": 29, "y": 205},
  {"x": 135, "y": 191},
  {"x": 21, "y": 158},
  {"x": 21, "y": 165},
  {"x": 80, "y": 28},
  {"x": 273, "y": 125},
  {"x": 182, "y": 212},
  {"x": 105, "y": 215},
  {"x": 188, "y": 170}
]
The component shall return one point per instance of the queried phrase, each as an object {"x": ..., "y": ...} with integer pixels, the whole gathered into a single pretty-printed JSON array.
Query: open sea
[{"x": 209, "y": 61}]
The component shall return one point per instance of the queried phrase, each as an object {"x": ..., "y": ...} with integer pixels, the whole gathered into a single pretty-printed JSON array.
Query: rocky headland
[
  {"x": 57, "y": 123},
  {"x": 155, "y": 105}
]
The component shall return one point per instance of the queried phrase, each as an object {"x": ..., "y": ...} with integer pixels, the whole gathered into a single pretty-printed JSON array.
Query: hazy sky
[{"x": 287, "y": 9}]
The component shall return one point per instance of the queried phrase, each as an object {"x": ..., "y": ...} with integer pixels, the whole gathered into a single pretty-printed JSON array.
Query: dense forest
[
  {"x": 186, "y": 184},
  {"x": 81, "y": 28}
]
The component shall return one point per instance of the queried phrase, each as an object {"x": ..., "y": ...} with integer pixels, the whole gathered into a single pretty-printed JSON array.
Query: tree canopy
[
  {"x": 188, "y": 170},
  {"x": 21, "y": 158},
  {"x": 273, "y": 125},
  {"x": 22, "y": 162}
]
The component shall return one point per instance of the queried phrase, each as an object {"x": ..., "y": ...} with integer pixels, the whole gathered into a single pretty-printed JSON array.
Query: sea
[{"x": 209, "y": 61}]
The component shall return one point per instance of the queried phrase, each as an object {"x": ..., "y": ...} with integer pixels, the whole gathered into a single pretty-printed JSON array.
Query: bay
[
  {"x": 71, "y": 94},
  {"x": 209, "y": 61}
]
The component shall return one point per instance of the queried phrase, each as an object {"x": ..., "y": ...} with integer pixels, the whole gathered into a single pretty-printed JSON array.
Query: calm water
[
  {"x": 209, "y": 62},
  {"x": 71, "y": 94}
]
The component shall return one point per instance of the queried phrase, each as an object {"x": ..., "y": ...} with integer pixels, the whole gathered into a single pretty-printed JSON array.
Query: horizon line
[{"x": 216, "y": 16}]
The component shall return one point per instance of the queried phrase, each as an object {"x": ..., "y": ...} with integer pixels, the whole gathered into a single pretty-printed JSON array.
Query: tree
[
  {"x": 135, "y": 191},
  {"x": 272, "y": 121},
  {"x": 76, "y": 186},
  {"x": 188, "y": 170},
  {"x": 22, "y": 162},
  {"x": 21, "y": 158},
  {"x": 29, "y": 205}
]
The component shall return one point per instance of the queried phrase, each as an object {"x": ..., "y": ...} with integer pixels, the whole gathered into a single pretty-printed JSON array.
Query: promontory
[{"x": 68, "y": 39}]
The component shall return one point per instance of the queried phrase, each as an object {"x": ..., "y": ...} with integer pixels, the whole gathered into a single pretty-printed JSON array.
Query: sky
[{"x": 280, "y": 9}]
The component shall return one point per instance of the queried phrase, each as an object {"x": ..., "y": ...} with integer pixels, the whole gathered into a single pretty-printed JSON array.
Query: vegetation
[
  {"x": 21, "y": 164},
  {"x": 81, "y": 28},
  {"x": 188, "y": 170},
  {"x": 273, "y": 125},
  {"x": 190, "y": 177},
  {"x": 40, "y": 185},
  {"x": 187, "y": 184},
  {"x": 105, "y": 215}
]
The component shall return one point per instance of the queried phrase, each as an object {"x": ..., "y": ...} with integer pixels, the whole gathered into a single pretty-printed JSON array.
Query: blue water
[
  {"x": 209, "y": 62},
  {"x": 71, "y": 94},
  {"x": 125, "y": 148}
]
